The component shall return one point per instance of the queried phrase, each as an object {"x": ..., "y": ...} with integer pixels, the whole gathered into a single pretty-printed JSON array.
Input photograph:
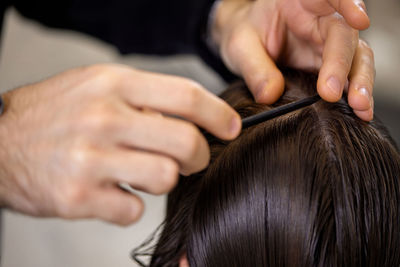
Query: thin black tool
[{"x": 270, "y": 114}]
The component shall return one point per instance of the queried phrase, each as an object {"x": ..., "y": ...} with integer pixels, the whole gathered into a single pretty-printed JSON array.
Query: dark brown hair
[{"x": 316, "y": 187}]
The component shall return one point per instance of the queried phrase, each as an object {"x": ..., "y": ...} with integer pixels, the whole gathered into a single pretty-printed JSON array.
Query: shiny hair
[{"x": 315, "y": 187}]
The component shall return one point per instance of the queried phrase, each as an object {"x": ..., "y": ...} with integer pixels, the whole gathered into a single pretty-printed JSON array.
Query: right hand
[
  {"x": 304, "y": 34},
  {"x": 67, "y": 142}
]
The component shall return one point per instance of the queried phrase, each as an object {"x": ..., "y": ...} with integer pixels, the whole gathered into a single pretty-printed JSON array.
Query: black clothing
[{"x": 161, "y": 27}]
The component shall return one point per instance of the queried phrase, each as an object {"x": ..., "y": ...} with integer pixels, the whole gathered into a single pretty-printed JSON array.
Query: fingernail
[
  {"x": 334, "y": 85},
  {"x": 363, "y": 91},
  {"x": 362, "y": 7},
  {"x": 235, "y": 125}
]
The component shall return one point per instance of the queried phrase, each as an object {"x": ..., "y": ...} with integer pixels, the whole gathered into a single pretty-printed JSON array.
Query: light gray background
[{"x": 30, "y": 52}]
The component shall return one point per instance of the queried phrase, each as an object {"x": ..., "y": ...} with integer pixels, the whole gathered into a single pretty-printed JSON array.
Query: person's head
[{"x": 315, "y": 187}]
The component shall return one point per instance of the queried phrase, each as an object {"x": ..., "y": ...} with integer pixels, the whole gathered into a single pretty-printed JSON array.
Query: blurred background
[{"x": 31, "y": 52}]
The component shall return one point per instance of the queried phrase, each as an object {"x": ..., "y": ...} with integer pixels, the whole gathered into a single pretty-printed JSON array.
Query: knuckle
[
  {"x": 108, "y": 75},
  {"x": 109, "y": 79},
  {"x": 133, "y": 216},
  {"x": 83, "y": 160},
  {"x": 75, "y": 195},
  {"x": 103, "y": 123},
  {"x": 368, "y": 62},
  {"x": 232, "y": 44},
  {"x": 100, "y": 118},
  {"x": 70, "y": 199},
  {"x": 124, "y": 217},
  {"x": 102, "y": 70},
  {"x": 340, "y": 21},
  {"x": 363, "y": 44},
  {"x": 365, "y": 80},
  {"x": 193, "y": 95},
  {"x": 344, "y": 63},
  {"x": 233, "y": 47},
  {"x": 366, "y": 48},
  {"x": 190, "y": 141},
  {"x": 344, "y": 28},
  {"x": 169, "y": 171},
  {"x": 234, "y": 41},
  {"x": 99, "y": 68}
]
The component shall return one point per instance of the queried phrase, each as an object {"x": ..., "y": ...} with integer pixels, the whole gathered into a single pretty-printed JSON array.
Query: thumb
[
  {"x": 248, "y": 56},
  {"x": 353, "y": 11}
]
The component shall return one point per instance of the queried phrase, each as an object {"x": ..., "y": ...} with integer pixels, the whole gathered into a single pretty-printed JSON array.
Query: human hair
[{"x": 315, "y": 187}]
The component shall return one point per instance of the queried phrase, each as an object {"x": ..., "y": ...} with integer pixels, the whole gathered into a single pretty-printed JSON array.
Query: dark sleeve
[{"x": 160, "y": 27}]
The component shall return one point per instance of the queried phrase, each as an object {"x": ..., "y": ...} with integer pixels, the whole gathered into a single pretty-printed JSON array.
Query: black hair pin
[{"x": 270, "y": 114}]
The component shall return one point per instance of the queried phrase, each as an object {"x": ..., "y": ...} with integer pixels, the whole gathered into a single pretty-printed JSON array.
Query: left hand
[{"x": 305, "y": 34}]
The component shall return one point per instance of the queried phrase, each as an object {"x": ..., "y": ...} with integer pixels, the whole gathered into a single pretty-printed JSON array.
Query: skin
[
  {"x": 183, "y": 261},
  {"x": 306, "y": 34},
  {"x": 67, "y": 142}
]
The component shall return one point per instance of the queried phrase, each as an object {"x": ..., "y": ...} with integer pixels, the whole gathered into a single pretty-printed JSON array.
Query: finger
[
  {"x": 148, "y": 172},
  {"x": 362, "y": 78},
  {"x": 173, "y": 137},
  {"x": 248, "y": 54},
  {"x": 366, "y": 115},
  {"x": 182, "y": 97},
  {"x": 340, "y": 45},
  {"x": 353, "y": 11},
  {"x": 114, "y": 205}
]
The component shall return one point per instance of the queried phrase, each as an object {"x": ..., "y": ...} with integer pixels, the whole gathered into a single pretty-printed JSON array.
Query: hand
[
  {"x": 67, "y": 142},
  {"x": 305, "y": 34}
]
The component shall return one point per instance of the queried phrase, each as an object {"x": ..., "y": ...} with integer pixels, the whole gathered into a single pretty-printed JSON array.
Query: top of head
[{"x": 315, "y": 187}]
